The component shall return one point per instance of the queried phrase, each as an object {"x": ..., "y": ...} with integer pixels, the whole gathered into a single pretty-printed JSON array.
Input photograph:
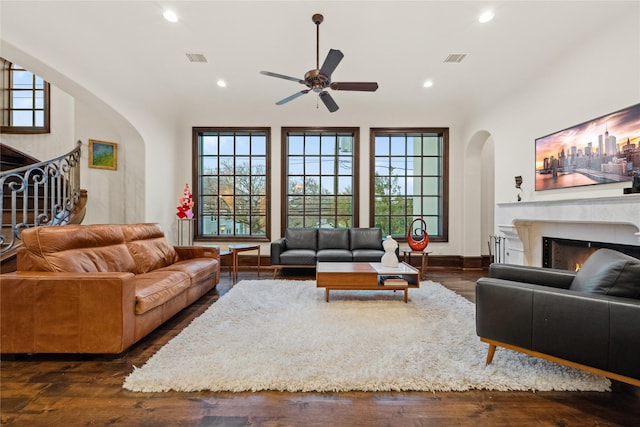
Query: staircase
[
  {"x": 35, "y": 194},
  {"x": 10, "y": 158}
]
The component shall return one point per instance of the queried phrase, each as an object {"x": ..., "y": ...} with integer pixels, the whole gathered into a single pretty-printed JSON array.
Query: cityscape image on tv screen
[{"x": 599, "y": 151}]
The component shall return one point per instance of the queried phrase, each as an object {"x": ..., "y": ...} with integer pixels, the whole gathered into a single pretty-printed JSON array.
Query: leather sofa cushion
[
  {"x": 301, "y": 238},
  {"x": 334, "y": 255},
  {"x": 158, "y": 287},
  {"x": 333, "y": 238},
  {"x": 367, "y": 255},
  {"x": 75, "y": 248},
  {"x": 298, "y": 257},
  {"x": 197, "y": 269},
  {"x": 366, "y": 238},
  {"x": 148, "y": 246},
  {"x": 609, "y": 272}
]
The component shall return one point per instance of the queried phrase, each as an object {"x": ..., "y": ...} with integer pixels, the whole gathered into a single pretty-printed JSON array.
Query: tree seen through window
[{"x": 232, "y": 183}]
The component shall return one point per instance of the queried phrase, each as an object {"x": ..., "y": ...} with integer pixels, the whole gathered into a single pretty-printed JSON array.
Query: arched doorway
[{"x": 479, "y": 185}]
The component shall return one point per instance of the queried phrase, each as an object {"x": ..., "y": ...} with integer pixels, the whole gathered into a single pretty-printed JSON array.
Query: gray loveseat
[
  {"x": 589, "y": 319},
  {"x": 304, "y": 247}
]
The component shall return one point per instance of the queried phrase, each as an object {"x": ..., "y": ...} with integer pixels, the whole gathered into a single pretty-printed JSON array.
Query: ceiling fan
[{"x": 319, "y": 79}]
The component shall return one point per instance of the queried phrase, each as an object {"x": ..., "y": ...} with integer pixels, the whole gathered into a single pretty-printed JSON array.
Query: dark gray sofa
[
  {"x": 304, "y": 247},
  {"x": 589, "y": 319}
]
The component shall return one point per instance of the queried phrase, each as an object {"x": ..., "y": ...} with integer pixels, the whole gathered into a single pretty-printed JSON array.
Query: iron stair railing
[{"x": 45, "y": 193}]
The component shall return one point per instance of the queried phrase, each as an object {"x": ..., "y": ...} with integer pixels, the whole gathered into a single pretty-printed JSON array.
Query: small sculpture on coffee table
[{"x": 389, "y": 259}]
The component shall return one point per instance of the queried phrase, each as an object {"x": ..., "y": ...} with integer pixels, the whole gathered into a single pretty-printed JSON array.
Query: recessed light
[
  {"x": 170, "y": 16},
  {"x": 428, "y": 83},
  {"x": 222, "y": 83},
  {"x": 486, "y": 16}
]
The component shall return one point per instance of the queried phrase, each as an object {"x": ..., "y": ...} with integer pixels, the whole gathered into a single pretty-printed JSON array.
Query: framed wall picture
[
  {"x": 103, "y": 155},
  {"x": 603, "y": 150}
]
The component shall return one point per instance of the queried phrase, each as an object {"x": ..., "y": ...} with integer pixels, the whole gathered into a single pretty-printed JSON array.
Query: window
[
  {"x": 320, "y": 175},
  {"x": 410, "y": 180},
  {"x": 25, "y": 101},
  {"x": 231, "y": 183}
]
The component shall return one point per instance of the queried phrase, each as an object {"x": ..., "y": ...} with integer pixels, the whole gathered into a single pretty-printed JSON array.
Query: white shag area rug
[{"x": 282, "y": 335}]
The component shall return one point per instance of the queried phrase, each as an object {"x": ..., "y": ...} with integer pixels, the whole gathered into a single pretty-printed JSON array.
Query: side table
[
  {"x": 407, "y": 252},
  {"x": 235, "y": 250},
  {"x": 223, "y": 254}
]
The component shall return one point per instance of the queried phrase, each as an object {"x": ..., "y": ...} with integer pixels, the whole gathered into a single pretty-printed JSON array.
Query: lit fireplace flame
[{"x": 578, "y": 266}]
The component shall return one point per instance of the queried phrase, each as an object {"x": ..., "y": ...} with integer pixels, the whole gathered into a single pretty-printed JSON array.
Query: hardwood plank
[{"x": 78, "y": 390}]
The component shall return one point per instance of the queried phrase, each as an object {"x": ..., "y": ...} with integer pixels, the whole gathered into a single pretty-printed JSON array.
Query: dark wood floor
[{"x": 72, "y": 390}]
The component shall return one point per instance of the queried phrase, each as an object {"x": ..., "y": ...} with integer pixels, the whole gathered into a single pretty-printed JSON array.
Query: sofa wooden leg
[{"x": 492, "y": 351}]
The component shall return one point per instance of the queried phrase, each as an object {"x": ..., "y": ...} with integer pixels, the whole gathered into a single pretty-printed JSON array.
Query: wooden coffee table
[{"x": 370, "y": 276}]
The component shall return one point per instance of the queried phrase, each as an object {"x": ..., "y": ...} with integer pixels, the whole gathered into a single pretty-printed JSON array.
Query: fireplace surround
[{"x": 610, "y": 220}]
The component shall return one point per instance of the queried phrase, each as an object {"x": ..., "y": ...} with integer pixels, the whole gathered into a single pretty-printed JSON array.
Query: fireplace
[
  {"x": 600, "y": 219},
  {"x": 570, "y": 254}
]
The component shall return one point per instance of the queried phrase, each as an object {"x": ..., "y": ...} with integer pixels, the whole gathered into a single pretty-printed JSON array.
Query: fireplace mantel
[{"x": 605, "y": 219}]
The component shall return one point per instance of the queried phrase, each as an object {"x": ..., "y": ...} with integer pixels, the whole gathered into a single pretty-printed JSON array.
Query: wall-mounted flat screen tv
[{"x": 600, "y": 151}]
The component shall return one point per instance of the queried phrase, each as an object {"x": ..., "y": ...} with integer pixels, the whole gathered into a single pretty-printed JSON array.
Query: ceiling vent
[
  {"x": 196, "y": 57},
  {"x": 455, "y": 57}
]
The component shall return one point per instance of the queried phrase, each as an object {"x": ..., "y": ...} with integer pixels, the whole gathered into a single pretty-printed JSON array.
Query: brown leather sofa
[{"x": 98, "y": 288}]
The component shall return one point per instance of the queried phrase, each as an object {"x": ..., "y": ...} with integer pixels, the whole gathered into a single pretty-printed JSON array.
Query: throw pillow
[{"x": 609, "y": 272}]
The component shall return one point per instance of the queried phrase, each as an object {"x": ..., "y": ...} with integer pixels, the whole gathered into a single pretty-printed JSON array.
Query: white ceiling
[{"x": 130, "y": 57}]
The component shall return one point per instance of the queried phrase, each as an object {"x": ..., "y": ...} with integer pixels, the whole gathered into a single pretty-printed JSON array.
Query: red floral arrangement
[{"x": 186, "y": 203}]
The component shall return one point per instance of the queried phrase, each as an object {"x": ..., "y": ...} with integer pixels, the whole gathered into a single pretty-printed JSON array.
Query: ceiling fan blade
[
  {"x": 361, "y": 86},
  {"x": 292, "y": 97},
  {"x": 328, "y": 101},
  {"x": 331, "y": 62},
  {"x": 282, "y": 76}
]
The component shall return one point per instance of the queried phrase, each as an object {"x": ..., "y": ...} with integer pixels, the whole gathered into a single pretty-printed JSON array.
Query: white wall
[
  {"x": 364, "y": 118},
  {"x": 487, "y": 203},
  {"x": 114, "y": 196},
  {"x": 599, "y": 76},
  {"x": 49, "y": 145},
  {"x": 77, "y": 114}
]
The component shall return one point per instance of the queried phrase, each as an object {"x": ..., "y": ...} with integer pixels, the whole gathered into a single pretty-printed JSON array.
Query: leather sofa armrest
[
  {"x": 535, "y": 275},
  {"x": 59, "y": 312},
  {"x": 504, "y": 311},
  {"x": 190, "y": 252},
  {"x": 277, "y": 248}
]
